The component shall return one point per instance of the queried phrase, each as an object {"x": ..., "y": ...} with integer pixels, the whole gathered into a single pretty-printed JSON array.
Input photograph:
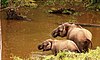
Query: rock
[
  {"x": 13, "y": 15},
  {"x": 61, "y": 11}
]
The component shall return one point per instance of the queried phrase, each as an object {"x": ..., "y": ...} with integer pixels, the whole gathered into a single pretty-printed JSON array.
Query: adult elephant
[
  {"x": 58, "y": 45},
  {"x": 81, "y": 36}
]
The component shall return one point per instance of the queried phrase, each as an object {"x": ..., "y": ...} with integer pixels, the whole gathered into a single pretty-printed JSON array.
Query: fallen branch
[
  {"x": 83, "y": 24},
  {"x": 88, "y": 25}
]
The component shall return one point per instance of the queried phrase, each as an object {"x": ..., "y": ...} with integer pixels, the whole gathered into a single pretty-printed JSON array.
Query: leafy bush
[
  {"x": 94, "y": 5},
  {"x": 18, "y": 3},
  {"x": 28, "y": 3},
  {"x": 91, "y": 55}
]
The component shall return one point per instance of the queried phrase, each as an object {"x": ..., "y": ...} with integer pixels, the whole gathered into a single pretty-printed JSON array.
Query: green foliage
[
  {"x": 62, "y": 2},
  {"x": 18, "y": 3},
  {"x": 93, "y": 1},
  {"x": 67, "y": 11},
  {"x": 16, "y": 58},
  {"x": 51, "y": 2},
  {"x": 94, "y": 5},
  {"x": 28, "y": 3},
  {"x": 56, "y": 2},
  {"x": 4, "y": 3}
]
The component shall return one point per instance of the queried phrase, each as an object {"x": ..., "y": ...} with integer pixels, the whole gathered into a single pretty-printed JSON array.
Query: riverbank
[{"x": 91, "y": 55}]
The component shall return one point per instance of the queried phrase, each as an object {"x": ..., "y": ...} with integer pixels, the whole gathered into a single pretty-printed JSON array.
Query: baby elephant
[{"x": 58, "y": 45}]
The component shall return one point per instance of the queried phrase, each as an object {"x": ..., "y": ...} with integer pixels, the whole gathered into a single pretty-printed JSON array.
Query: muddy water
[{"x": 20, "y": 37}]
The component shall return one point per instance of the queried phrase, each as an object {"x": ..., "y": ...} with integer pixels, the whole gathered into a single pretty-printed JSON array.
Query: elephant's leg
[
  {"x": 85, "y": 49},
  {"x": 54, "y": 50},
  {"x": 86, "y": 46},
  {"x": 80, "y": 47}
]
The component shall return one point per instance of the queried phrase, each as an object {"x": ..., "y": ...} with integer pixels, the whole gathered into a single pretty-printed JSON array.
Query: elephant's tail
[{"x": 91, "y": 44}]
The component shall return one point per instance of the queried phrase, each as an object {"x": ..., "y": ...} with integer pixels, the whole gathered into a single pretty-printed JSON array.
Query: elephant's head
[
  {"x": 45, "y": 46},
  {"x": 61, "y": 30}
]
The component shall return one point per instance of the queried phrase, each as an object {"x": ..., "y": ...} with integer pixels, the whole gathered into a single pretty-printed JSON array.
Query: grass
[{"x": 91, "y": 55}]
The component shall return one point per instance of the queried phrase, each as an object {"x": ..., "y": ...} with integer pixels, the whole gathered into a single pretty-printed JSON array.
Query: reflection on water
[{"x": 22, "y": 37}]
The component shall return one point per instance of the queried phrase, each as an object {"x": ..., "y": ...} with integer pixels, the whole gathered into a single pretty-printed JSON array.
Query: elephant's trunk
[
  {"x": 40, "y": 47},
  {"x": 54, "y": 34}
]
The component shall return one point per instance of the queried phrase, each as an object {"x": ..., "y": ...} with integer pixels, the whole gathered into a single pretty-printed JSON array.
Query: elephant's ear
[
  {"x": 49, "y": 45},
  {"x": 64, "y": 30}
]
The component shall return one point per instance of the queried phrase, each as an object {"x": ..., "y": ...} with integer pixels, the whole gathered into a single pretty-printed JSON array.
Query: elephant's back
[
  {"x": 87, "y": 33},
  {"x": 66, "y": 45},
  {"x": 70, "y": 43},
  {"x": 79, "y": 32},
  {"x": 62, "y": 44},
  {"x": 72, "y": 46},
  {"x": 72, "y": 33}
]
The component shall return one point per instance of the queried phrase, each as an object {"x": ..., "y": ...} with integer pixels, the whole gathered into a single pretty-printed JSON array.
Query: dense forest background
[{"x": 92, "y": 4}]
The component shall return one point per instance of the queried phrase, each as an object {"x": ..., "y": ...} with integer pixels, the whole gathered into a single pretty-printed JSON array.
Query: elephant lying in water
[
  {"x": 58, "y": 45},
  {"x": 81, "y": 36}
]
